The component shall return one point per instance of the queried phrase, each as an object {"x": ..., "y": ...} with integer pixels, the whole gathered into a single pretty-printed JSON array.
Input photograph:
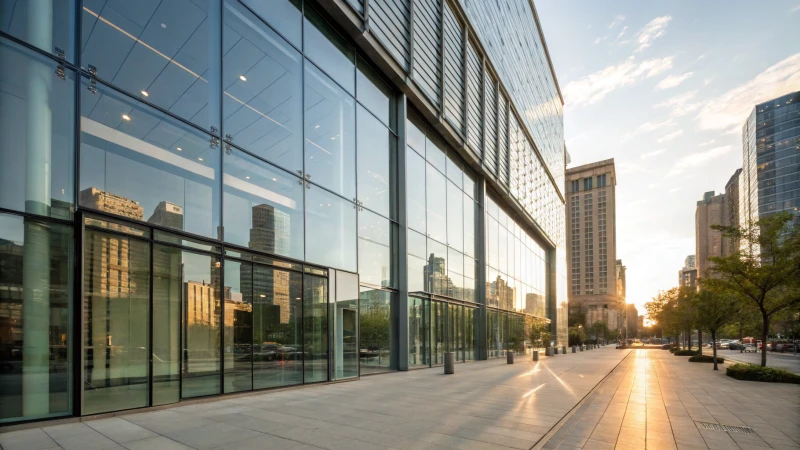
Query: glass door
[
  {"x": 344, "y": 325},
  {"x": 315, "y": 329}
]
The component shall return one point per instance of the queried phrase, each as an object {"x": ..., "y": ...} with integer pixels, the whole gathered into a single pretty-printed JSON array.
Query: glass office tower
[{"x": 201, "y": 197}]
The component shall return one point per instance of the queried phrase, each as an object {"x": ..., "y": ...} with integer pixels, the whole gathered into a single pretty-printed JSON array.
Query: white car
[{"x": 750, "y": 348}]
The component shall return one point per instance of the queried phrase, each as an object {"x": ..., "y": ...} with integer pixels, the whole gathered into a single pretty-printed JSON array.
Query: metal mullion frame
[
  {"x": 224, "y": 144},
  {"x": 398, "y": 169},
  {"x": 28, "y": 215},
  {"x": 150, "y": 329},
  {"x": 152, "y": 226},
  {"x": 252, "y": 323},
  {"x": 77, "y": 337},
  {"x": 441, "y": 46}
]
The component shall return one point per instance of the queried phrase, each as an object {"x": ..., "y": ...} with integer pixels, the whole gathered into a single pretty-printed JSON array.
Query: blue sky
[{"x": 664, "y": 88}]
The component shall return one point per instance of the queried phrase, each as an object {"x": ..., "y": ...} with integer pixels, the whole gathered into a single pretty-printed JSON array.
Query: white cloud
[
  {"x": 594, "y": 87},
  {"x": 625, "y": 168},
  {"x": 653, "y": 185},
  {"x": 652, "y": 31},
  {"x": 680, "y": 105},
  {"x": 676, "y": 189},
  {"x": 674, "y": 80},
  {"x": 622, "y": 33},
  {"x": 708, "y": 81},
  {"x": 596, "y": 41},
  {"x": 703, "y": 144},
  {"x": 646, "y": 128},
  {"x": 796, "y": 8},
  {"x": 617, "y": 21},
  {"x": 669, "y": 137},
  {"x": 697, "y": 159},
  {"x": 653, "y": 153},
  {"x": 729, "y": 111}
]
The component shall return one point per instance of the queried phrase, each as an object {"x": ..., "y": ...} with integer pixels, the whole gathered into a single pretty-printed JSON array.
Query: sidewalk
[
  {"x": 486, "y": 405},
  {"x": 655, "y": 400}
]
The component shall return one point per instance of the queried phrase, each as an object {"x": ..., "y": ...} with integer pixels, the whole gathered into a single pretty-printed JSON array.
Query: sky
[{"x": 664, "y": 87}]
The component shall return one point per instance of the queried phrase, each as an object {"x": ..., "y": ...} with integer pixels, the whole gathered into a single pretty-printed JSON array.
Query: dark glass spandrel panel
[
  {"x": 330, "y": 230},
  {"x": 263, "y": 206},
  {"x": 376, "y": 309},
  {"x": 140, "y": 164},
  {"x": 436, "y": 206},
  {"x": 37, "y": 145},
  {"x": 277, "y": 332},
  {"x": 455, "y": 217},
  {"x": 330, "y": 132},
  {"x": 435, "y": 152},
  {"x": 116, "y": 302},
  {"x": 167, "y": 296},
  {"x": 163, "y": 52},
  {"x": 238, "y": 357},
  {"x": 201, "y": 316},
  {"x": 374, "y": 93},
  {"x": 415, "y": 191},
  {"x": 329, "y": 50},
  {"x": 45, "y": 25},
  {"x": 285, "y": 16},
  {"x": 374, "y": 164},
  {"x": 36, "y": 264},
  {"x": 315, "y": 329},
  {"x": 263, "y": 89},
  {"x": 132, "y": 229},
  {"x": 171, "y": 238},
  {"x": 470, "y": 210},
  {"x": 436, "y": 268},
  {"x": 375, "y": 250}
]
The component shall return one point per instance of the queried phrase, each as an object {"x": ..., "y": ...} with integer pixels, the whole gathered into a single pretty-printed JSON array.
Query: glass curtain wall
[
  {"x": 377, "y": 331},
  {"x": 437, "y": 327}
]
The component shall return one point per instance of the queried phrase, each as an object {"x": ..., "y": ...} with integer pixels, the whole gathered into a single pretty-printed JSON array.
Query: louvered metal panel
[
  {"x": 474, "y": 101},
  {"x": 503, "y": 158},
  {"x": 427, "y": 52},
  {"x": 516, "y": 149},
  {"x": 390, "y": 23},
  {"x": 490, "y": 120},
  {"x": 358, "y": 5},
  {"x": 453, "y": 70}
]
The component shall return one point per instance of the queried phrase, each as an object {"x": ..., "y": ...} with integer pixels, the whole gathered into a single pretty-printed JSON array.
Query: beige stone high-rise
[
  {"x": 592, "y": 243},
  {"x": 708, "y": 242}
]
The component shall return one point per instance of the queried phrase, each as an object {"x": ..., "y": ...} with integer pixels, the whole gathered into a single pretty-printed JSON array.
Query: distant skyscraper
[
  {"x": 690, "y": 262},
  {"x": 687, "y": 276},
  {"x": 270, "y": 230},
  {"x": 621, "y": 287},
  {"x": 708, "y": 242},
  {"x": 734, "y": 192},
  {"x": 168, "y": 215},
  {"x": 104, "y": 201}
]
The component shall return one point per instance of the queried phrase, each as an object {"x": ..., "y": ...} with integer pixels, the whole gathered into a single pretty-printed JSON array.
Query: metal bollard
[
  {"x": 574, "y": 350},
  {"x": 581, "y": 347},
  {"x": 555, "y": 350},
  {"x": 564, "y": 349},
  {"x": 548, "y": 351},
  {"x": 510, "y": 357},
  {"x": 449, "y": 363},
  {"x": 536, "y": 355}
]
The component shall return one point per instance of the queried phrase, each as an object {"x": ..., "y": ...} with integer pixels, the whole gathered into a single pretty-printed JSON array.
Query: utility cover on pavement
[{"x": 718, "y": 427}]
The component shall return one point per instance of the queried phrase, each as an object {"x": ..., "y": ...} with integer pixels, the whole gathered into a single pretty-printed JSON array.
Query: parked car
[
  {"x": 749, "y": 348},
  {"x": 788, "y": 348}
]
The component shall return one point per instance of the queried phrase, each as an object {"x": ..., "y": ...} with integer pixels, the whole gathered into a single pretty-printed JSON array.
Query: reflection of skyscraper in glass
[
  {"x": 435, "y": 274},
  {"x": 269, "y": 287},
  {"x": 270, "y": 230},
  {"x": 168, "y": 215},
  {"x": 104, "y": 201}
]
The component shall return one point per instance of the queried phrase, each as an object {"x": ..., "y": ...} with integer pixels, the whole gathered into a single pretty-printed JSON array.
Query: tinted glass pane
[
  {"x": 36, "y": 312},
  {"x": 469, "y": 185},
  {"x": 418, "y": 333},
  {"x": 435, "y": 153},
  {"x": 263, "y": 206},
  {"x": 469, "y": 226},
  {"x": 415, "y": 191},
  {"x": 330, "y": 230},
  {"x": 415, "y": 134},
  {"x": 374, "y": 164},
  {"x": 469, "y": 267},
  {"x": 469, "y": 289},
  {"x": 416, "y": 244},
  {"x": 167, "y": 295},
  {"x": 454, "y": 172},
  {"x": 376, "y": 310},
  {"x": 138, "y": 163},
  {"x": 116, "y": 302},
  {"x": 436, "y": 206},
  {"x": 262, "y": 78},
  {"x": 374, "y": 249},
  {"x": 159, "y": 51},
  {"x": 469, "y": 333},
  {"x": 330, "y": 126},
  {"x": 374, "y": 93},
  {"x": 44, "y": 25},
  {"x": 438, "y": 332},
  {"x": 455, "y": 285},
  {"x": 343, "y": 326},
  {"x": 455, "y": 217},
  {"x": 238, "y": 326},
  {"x": 492, "y": 239},
  {"x": 436, "y": 268},
  {"x": 329, "y": 50},
  {"x": 417, "y": 274},
  {"x": 283, "y": 15},
  {"x": 36, "y": 132},
  {"x": 455, "y": 261},
  {"x": 201, "y": 306},
  {"x": 277, "y": 309},
  {"x": 315, "y": 329}
]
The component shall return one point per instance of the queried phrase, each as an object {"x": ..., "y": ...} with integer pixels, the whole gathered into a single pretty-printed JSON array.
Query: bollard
[
  {"x": 574, "y": 350},
  {"x": 536, "y": 355},
  {"x": 581, "y": 347},
  {"x": 548, "y": 351},
  {"x": 564, "y": 349},
  {"x": 449, "y": 363},
  {"x": 510, "y": 357},
  {"x": 555, "y": 350}
]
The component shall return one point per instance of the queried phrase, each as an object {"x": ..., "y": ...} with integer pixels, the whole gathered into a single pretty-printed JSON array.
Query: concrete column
[{"x": 36, "y": 253}]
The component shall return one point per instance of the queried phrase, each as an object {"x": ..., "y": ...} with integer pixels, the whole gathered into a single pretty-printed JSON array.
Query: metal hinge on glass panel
[
  {"x": 228, "y": 139},
  {"x": 60, "y": 72},
  {"x": 214, "y": 143},
  {"x": 92, "y": 81}
]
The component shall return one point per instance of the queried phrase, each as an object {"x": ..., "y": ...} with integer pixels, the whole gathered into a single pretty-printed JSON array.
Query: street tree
[{"x": 713, "y": 310}]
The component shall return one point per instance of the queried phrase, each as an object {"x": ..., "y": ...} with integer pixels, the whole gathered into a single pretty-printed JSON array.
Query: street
[{"x": 786, "y": 361}]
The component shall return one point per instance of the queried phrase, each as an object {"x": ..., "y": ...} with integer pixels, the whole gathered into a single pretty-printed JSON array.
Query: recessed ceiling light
[
  {"x": 145, "y": 93},
  {"x": 179, "y": 149},
  {"x": 241, "y": 77},
  {"x": 163, "y": 25},
  {"x": 247, "y": 178},
  {"x": 274, "y": 179},
  {"x": 125, "y": 117},
  {"x": 200, "y": 159}
]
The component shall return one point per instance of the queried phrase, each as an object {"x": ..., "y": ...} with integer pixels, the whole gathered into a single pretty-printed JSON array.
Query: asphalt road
[{"x": 781, "y": 360}]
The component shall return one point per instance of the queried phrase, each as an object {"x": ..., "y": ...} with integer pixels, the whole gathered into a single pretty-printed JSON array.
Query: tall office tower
[
  {"x": 770, "y": 165},
  {"x": 631, "y": 320},
  {"x": 271, "y": 229},
  {"x": 591, "y": 239},
  {"x": 708, "y": 242},
  {"x": 168, "y": 215},
  {"x": 732, "y": 210},
  {"x": 621, "y": 280},
  {"x": 687, "y": 276}
]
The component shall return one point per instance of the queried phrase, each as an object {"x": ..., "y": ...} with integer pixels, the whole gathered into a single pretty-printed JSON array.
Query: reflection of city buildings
[
  {"x": 104, "y": 201},
  {"x": 270, "y": 230},
  {"x": 269, "y": 233},
  {"x": 168, "y": 215},
  {"x": 435, "y": 274}
]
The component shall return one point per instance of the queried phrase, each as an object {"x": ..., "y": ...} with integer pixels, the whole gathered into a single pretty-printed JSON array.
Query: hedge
[
  {"x": 750, "y": 372},
  {"x": 685, "y": 353},
  {"x": 706, "y": 359},
  {"x": 674, "y": 349}
]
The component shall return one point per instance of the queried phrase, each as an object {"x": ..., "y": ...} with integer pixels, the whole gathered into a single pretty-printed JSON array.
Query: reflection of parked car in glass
[{"x": 268, "y": 351}]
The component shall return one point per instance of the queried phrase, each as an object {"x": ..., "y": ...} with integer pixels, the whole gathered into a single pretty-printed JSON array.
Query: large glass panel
[
  {"x": 374, "y": 164},
  {"x": 376, "y": 309},
  {"x": 469, "y": 333},
  {"x": 283, "y": 15},
  {"x": 329, "y": 50},
  {"x": 277, "y": 332},
  {"x": 418, "y": 332},
  {"x": 454, "y": 172},
  {"x": 344, "y": 326},
  {"x": 167, "y": 296},
  {"x": 455, "y": 217},
  {"x": 435, "y": 152},
  {"x": 263, "y": 206},
  {"x": 415, "y": 191},
  {"x": 262, "y": 79},
  {"x": 417, "y": 274},
  {"x": 502, "y": 250},
  {"x": 315, "y": 329},
  {"x": 330, "y": 230},
  {"x": 438, "y": 332},
  {"x": 492, "y": 239},
  {"x": 436, "y": 268},
  {"x": 201, "y": 319},
  {"x": 44, "y": 25},
  {"x": 375, "y": 249},
  {"x": 494, "y": 338},
  {"x": 436, "y": 206},
  {"x": 36, "y": 266},
  {"x": 459, "y": 332},
  {"x": 138, "y": 163},
  {"x": 415, "y": 134},
  {"x": 238, "y": 296},
  {"x": 165, "y": 52},
  {"x": 469, "y": 289},
  {"x": 374, "y": 93},
  {"x": 36, "y": 130},
  {"x": 469, "y": 226},
  {"x": 330, "y": 131},
  {"x": 116, "y": 302}
]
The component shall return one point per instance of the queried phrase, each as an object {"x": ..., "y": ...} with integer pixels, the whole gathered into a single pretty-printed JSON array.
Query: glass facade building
[{"x": 202, "y": 197}]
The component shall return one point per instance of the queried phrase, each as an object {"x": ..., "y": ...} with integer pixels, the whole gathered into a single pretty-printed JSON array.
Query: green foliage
[
  {"x": 674, "y": 349},
  {"x": 576, "y": 318},
  {"x": 706, "y": 359},
  {"x": 750, "y": 372},
  {"x": 685, "y": 352},
  {"x": 576, "y": 335},
  {"x": 538, "y": 331}
]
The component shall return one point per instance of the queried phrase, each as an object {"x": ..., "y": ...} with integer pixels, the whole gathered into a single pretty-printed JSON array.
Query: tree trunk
[
  {"x": 764, "y": 334},
  {"x": 714, "y": 339},
  {"x": 699, "y": 342}
]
